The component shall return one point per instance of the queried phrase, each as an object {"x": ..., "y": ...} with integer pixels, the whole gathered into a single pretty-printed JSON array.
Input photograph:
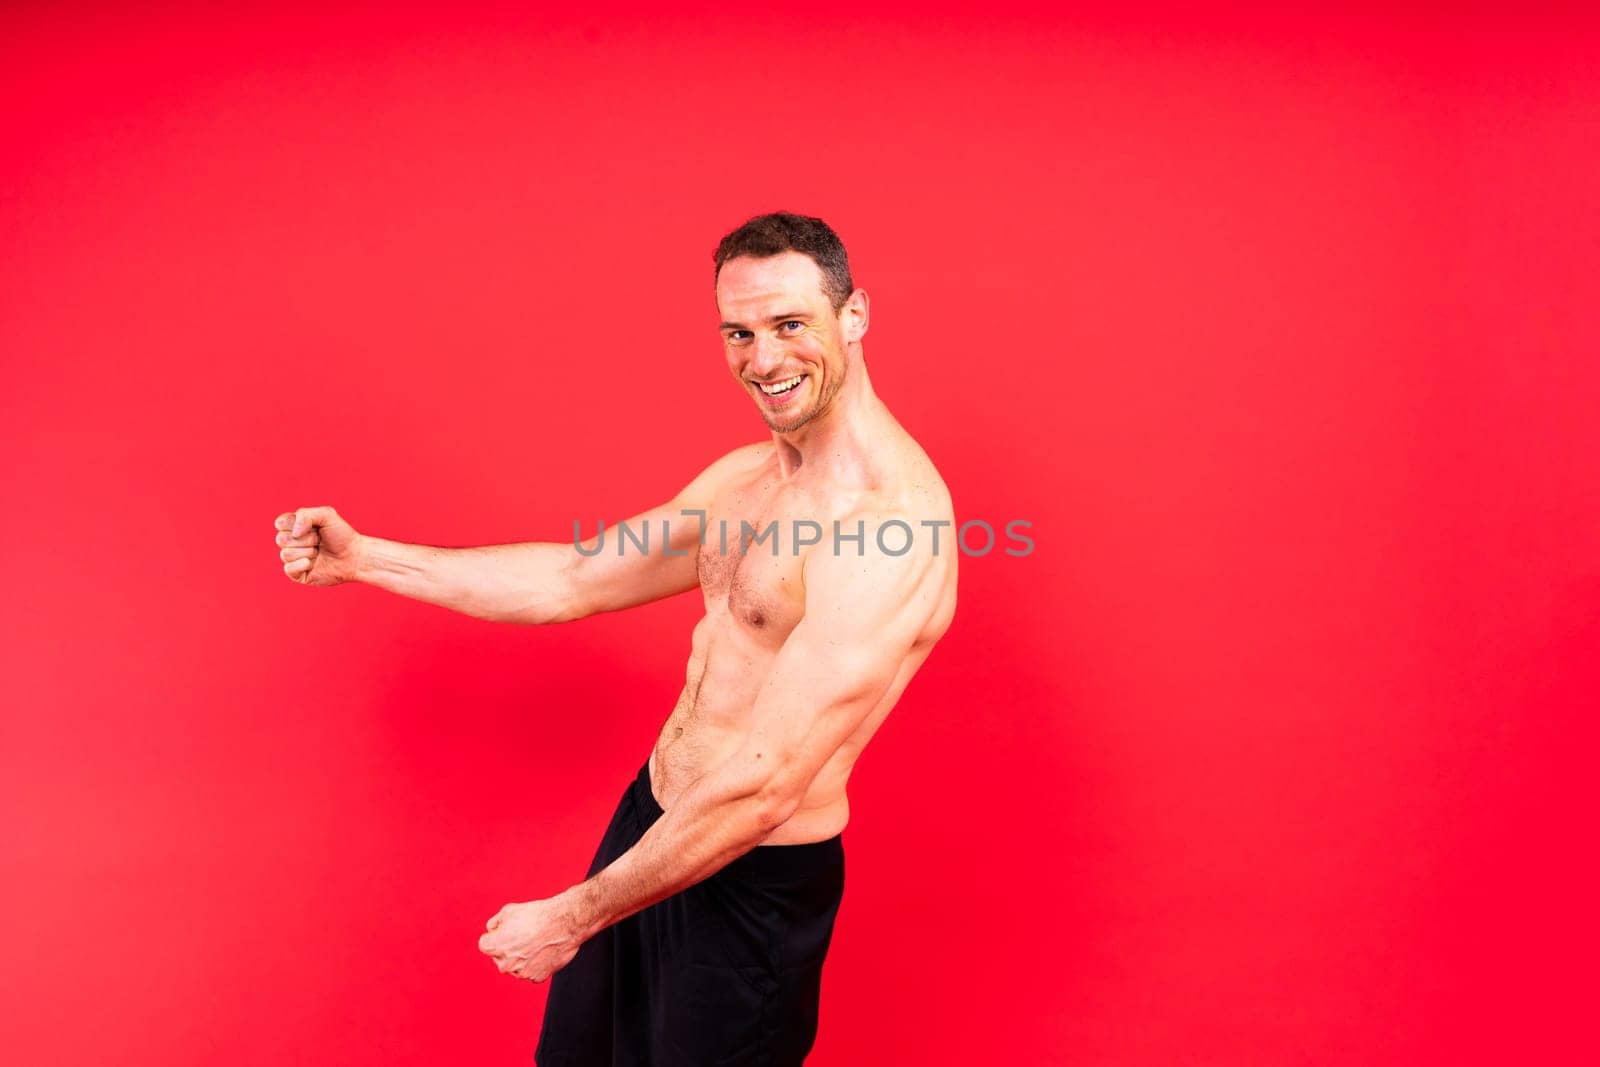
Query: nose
[{"x": 766, "y": 356}]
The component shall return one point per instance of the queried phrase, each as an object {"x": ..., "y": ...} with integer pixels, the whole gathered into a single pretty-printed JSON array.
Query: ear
[{"x": 854, "y": 315}]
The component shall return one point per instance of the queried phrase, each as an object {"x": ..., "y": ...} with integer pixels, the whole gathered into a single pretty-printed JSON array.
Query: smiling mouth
[{"x": 779, "y": 388}]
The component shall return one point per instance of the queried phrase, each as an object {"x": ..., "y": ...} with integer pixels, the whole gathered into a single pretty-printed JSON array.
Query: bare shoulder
[
  {"x": 916, "y": 485},
  {"x": 907, "y": 522},
  {"x": 895, "y": 578},
  {"x": 904, "y": 491},
  {"x": 730, "y": 466},
  {"x": 919, "y": 497}
]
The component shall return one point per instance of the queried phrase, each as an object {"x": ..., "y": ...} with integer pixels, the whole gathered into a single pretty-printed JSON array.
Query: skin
[{"x": 799, "y": 657}]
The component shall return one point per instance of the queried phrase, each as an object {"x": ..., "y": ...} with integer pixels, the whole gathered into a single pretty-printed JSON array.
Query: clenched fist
[
  {"x": 532, "y": 940},
  {"x": 317, "y": 546}
]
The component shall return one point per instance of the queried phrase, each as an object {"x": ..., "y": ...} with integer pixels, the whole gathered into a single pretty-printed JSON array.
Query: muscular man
[{"x": 699, "y": 934}]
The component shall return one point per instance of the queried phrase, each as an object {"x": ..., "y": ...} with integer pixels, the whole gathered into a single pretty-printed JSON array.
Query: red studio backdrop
[{"x": 1280, "y": 330}]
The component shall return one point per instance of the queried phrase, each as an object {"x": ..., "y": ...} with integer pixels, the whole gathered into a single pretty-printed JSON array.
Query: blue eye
[{"x": 794, "y": 322}]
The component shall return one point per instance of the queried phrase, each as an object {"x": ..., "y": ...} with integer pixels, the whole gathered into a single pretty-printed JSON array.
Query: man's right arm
[{"x": 538, "y": 582}]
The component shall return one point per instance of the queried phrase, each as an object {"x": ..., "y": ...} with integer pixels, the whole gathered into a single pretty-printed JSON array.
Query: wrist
[
  {"x": 366, "y": 558},
  {"x": 576, "y": 905}
]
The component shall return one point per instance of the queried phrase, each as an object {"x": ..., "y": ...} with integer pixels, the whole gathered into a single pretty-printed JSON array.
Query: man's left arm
[{"x": 862, "y": 615}]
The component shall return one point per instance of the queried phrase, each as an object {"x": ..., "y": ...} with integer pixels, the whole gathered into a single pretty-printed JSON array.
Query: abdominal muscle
[{"x": 711, "y": 720}]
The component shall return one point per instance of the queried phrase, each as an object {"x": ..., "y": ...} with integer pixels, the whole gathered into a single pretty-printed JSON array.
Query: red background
[{"x": 1280, "y": 330}]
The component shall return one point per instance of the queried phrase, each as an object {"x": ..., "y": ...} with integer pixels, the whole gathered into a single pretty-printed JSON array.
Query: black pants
[{"x": 728, "y": 971}]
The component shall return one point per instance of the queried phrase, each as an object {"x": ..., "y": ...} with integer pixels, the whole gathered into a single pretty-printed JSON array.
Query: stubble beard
[{"x": 818, "y": 406}]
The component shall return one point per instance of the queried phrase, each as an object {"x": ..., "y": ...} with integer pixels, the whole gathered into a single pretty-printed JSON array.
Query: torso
[{"x": 754, "y": 599}]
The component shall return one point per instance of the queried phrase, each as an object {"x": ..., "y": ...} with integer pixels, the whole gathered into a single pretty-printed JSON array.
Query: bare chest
[{"x": 756, "y": 541}]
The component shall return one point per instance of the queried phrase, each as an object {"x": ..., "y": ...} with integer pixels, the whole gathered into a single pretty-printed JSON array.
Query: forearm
[
  {"x": 526, "y": 583},
  {"x": 709, "y": 826}
]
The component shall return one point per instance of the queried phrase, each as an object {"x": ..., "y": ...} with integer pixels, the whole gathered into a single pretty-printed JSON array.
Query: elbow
[
  {"x": 565, "y": 611},
  {"x": 771, "y": 816},
  {"x": 561, "y": 600},
  {"x": 543, "y": 613},
  {"x": 762, "y": 789},
  {"x": 775, "y": 804}
]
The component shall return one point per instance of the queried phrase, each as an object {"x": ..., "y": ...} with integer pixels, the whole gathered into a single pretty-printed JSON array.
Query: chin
[{"x": 791, "y": 425}]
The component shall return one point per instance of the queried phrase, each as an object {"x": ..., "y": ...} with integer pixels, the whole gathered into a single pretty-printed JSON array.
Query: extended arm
[
  {"x": 538, "y": 582},
  {"x": 862, "y": 617}
]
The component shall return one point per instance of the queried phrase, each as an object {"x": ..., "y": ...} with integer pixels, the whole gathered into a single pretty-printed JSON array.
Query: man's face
[{"x": 778, "y": 328}]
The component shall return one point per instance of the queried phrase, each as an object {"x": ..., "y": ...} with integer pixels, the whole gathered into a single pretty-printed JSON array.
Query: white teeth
[{"x": 782, "y": 387}]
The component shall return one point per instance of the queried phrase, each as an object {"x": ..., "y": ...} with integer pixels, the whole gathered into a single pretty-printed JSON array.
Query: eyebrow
[{"x": 784, "y": 317}]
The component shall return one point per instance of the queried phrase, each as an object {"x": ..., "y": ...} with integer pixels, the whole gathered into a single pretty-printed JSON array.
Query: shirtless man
[{"x": 699, "y": 934}]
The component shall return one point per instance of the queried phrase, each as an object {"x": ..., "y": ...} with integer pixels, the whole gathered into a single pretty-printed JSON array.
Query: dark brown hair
[{"x": 780, "y": 231}]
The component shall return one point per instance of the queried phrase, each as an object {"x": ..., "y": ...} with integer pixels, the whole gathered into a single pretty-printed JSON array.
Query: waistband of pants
[{"x": 769, "y": 860}]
